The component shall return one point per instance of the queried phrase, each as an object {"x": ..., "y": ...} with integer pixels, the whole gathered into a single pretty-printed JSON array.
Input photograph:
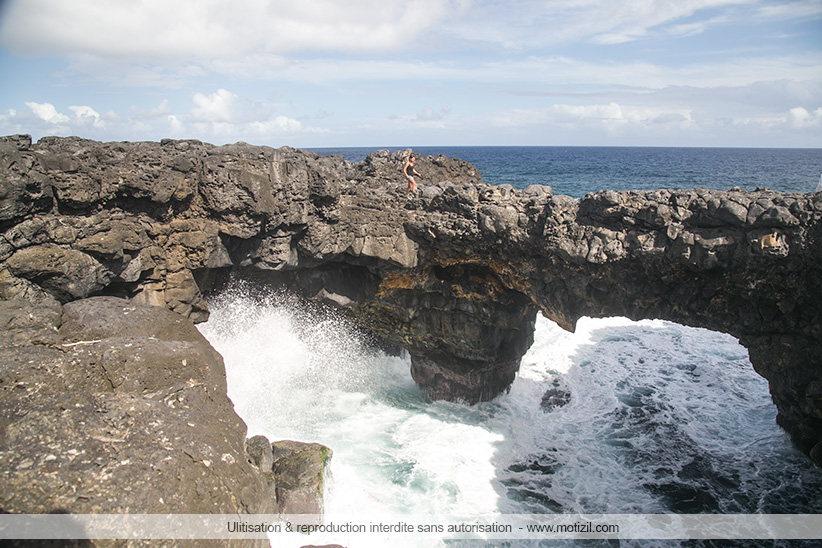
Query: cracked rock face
[
  {"x": 454, "y": 274},
  {"x": 108, "y": 406}
]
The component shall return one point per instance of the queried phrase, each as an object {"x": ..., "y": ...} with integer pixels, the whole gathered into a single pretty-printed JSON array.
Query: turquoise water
[{"x": 662, "y": 418}]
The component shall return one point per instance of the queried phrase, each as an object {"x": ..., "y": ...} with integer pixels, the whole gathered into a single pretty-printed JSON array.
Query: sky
[{"x": 386, "y": 73}]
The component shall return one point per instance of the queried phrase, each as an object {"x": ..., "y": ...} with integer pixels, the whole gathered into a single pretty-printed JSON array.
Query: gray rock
[
  {"x": 111, "y": 407},
  {"x": 65, "y": 273},
  {"x": 553, "y": 398},
  {"x": 816, "y": 454},
  {"x": 455, "y": 275},
  {"x": 24, "y": 190},
  {"x": 259, "y": 450},
  {"x": 300, "y": 470},
  {"x": 777, "y": 216},
  {"x": 731, "y": 212}
]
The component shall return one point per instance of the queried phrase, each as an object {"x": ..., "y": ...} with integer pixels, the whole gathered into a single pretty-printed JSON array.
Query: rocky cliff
[
  {"x": 455, "y": 275},
  {"x": 108, "y": 406}
]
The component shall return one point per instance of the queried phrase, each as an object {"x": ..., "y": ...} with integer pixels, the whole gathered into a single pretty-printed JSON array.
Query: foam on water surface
[{"x": 661, "y": 418}]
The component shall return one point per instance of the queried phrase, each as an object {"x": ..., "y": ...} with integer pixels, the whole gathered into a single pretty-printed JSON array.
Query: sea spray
[{"x": 659, "y": 418}]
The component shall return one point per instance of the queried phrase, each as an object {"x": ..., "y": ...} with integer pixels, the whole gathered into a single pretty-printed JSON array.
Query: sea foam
[{"x": 660, "y": 418}]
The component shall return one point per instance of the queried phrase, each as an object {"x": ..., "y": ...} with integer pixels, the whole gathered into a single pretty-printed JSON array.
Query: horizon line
[{"x": 403, "y": 147}]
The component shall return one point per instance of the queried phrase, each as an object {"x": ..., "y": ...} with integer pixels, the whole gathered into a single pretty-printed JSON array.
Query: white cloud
[
  {"x": 207, "y": 30},
  {"x": 605, "y": 118},
  {"x": 797, "y": 8},
  {"x": 553, "y": 71},
  {"x": 229, "y": 117},
  {"x": 11, "y": 123},
  {"x": 617, "y": 22},
  {"x": 217, "y": 107},
  {"x": 226, "y": 107},
  {"x": 84, "y": 111},
  {"x": 168, "y": 73},
  {"x": 801, "y": 118},
  {"x": 277, "y": 126},
  {"x": 536, "y": 23},
  {"x": 47, "y": 113},
  {"x": 426, "y": 118},
  {"x": 433, "y": 118},
  {"x": 160, "y": 111},
  {"x": 220, "y": 117},
  {"x": 175, "y": 126},
  {"x": 170, "y": 44},
  {"x": 283, "y": 59},
  {"x": 86, "y": 115},
  {"x": 655, "y": 125}
]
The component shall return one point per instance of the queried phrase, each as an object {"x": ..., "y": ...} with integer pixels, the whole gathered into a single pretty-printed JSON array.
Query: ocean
[
  {"x": 662, "y": 418},
  {"x": 575, "y": 171}
]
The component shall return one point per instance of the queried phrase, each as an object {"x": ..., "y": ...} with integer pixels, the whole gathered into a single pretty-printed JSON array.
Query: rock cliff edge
[{"x": 456, "y": 275}]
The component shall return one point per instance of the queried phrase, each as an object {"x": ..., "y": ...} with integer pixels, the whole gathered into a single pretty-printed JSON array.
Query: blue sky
[{"x": 315, "y": 73}]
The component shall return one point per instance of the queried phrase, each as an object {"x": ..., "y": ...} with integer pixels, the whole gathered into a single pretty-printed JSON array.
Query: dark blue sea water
[{"x": 575, "y": 171}]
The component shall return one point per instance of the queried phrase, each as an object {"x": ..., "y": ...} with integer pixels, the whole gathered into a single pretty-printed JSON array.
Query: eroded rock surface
[
  {"x": 301, "y": 472},
  {"x": 110, "y": 406},
  {"x": 455, "y": 275}
]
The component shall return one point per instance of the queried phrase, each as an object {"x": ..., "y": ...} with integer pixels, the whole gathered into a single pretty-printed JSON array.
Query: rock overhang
[{"x": 455, "y": 274}]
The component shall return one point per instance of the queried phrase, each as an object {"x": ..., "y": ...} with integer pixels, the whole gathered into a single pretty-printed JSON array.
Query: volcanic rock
[
  {"x": 456, "y": 275},
  {"x": 301, "y": 471},
  {"x": 108, "y": 406}
]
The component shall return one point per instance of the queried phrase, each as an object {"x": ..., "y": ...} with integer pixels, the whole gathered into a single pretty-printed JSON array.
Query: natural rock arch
[{"x": 456, "y": 275}]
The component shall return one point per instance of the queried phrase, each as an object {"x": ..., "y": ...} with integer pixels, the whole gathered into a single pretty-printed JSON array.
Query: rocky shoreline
[
  {"x": 455, "y": 275},
  {"x": 109, "y": 406}
]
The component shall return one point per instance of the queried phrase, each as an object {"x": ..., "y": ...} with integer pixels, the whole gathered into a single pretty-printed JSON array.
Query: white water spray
[{"x": 661, "y": 418}]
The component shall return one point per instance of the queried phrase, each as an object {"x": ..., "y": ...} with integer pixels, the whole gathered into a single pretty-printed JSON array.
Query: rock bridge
[{"x": 455, "y": 275}]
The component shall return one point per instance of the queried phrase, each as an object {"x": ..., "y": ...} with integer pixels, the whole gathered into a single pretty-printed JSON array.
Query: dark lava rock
[
  {"x": 553, "y": 398},
  {"x": 456, "y": 276}
]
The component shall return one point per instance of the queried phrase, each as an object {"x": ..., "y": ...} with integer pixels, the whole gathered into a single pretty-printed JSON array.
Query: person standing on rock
[{"x": 409, "y": 172}]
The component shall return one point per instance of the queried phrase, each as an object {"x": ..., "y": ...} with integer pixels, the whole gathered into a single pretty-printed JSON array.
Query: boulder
[
  {"x": 259, "y": 450},
  {"x": 301, "y": 472}
]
